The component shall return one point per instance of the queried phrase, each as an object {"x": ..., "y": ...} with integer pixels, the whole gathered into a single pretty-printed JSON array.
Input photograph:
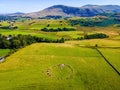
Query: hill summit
[{"x": 84, "y": 11}]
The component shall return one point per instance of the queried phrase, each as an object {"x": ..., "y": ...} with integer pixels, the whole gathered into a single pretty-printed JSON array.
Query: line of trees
[
  {"x": 50, "y": 17},
  {"x": 19, "y": 41},
  {"x": 86, "y": 22},
  {"x": 4, "y": 18},
  {"x": 8, "y": 27},
  {"x": 95, "y": 36},
  {"x": 57, "y": 29}
]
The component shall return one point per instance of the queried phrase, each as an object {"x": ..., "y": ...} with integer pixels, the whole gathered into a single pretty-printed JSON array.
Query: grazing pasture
[
  {"x": 113, "y": 55},
  {"x": 4, "y": 52},
  {"x": 73, "y": 65},
  {"x": 99, "y": 42},
  {"x": 57, "y": 66}
]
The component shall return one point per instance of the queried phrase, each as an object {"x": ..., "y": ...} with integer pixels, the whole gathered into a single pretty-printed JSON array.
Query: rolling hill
[{"x": 84, "y": 11}]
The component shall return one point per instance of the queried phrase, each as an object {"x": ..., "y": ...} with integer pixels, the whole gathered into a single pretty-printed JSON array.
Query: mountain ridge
[
  {"x": 70, "y": 11},
  {"x": 84, "y": 11}
]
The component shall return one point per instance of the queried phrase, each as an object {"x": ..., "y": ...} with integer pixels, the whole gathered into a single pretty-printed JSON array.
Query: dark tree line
[
  {"x": 85, "y": 22},
  {"x": 8, "y": 27},
  {"x": 4, "y": 18},
  {"x": 95, "y": 36},
  {"x": 19, "y": 41},
  {"x": 57, "y": 29},
  {"x": 50, "y": 17}
]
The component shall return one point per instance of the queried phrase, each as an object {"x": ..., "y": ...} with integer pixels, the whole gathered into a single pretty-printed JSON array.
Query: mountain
[
  {"x": 84, "y": 11},
  {"x": 16, "y": 14},
  {"x": 105, "y": 8},
  {"x": 13, "y": 14},
  {"x": 57, "y": 10}
]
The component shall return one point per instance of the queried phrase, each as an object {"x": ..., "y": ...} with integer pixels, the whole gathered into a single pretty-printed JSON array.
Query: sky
[{"x": 26, "y": 6}]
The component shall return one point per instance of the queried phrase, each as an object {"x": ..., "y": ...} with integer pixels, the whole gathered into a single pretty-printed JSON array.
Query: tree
[
  {"x": 15, "y": 44},
  {"x": 95, "y": 36},
  {"x": 4, "y": 44},
  {"x": 48, "y": 25},
  {"x": 61, "y": 40}
]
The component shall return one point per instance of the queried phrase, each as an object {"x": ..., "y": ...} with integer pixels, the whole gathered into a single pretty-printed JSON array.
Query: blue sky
[{"x": 11, "y": 6}]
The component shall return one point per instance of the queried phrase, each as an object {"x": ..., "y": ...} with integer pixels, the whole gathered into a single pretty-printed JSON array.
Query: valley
[{"x": 60, "y": 52}]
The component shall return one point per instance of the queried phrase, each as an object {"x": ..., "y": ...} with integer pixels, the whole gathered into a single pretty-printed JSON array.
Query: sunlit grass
[
  {"x": 27, "y": 69},
  {"x": 4, "y": 52},
  {"x": 99, "y": 42},
  {"x": 113, "y": 55}
]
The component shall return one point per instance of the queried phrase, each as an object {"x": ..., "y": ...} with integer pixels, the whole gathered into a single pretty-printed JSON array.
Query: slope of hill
[
  {"x": 16, "y": 14},
  {"x": 84, "y": 11},
  {"x": 57, "y": 10}
]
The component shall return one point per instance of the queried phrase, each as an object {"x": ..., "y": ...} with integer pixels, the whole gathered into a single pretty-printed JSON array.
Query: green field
[
  {"x": 70, "y": 34},
  {"x": 117, "y": 37},
  {"x": 73, "y": 65},
  {"x": 57, "y": 67},
  {"x": 34, "y": 27},
  {"x": 28, "y": 32},
  {"x": 4, "y": 52},
  {"x": 113, "y": 55},
  {"x": 99, "y": 42}
]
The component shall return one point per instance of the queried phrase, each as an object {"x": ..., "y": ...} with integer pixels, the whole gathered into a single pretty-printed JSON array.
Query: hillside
[
  {"x": 84, "y": 11},
  {"x": 16, "y": 14}
]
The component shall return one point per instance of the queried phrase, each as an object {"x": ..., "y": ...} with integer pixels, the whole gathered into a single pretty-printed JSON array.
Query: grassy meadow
[
  {"x": 4, "y": 52},
  {"x": 99, "y": 42},
  {"x": 81, "y": 69},
  {"x": 113, "y": 55},
  {"x": 73, "y": 65},
  {"x": 33, "y": 27}
]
